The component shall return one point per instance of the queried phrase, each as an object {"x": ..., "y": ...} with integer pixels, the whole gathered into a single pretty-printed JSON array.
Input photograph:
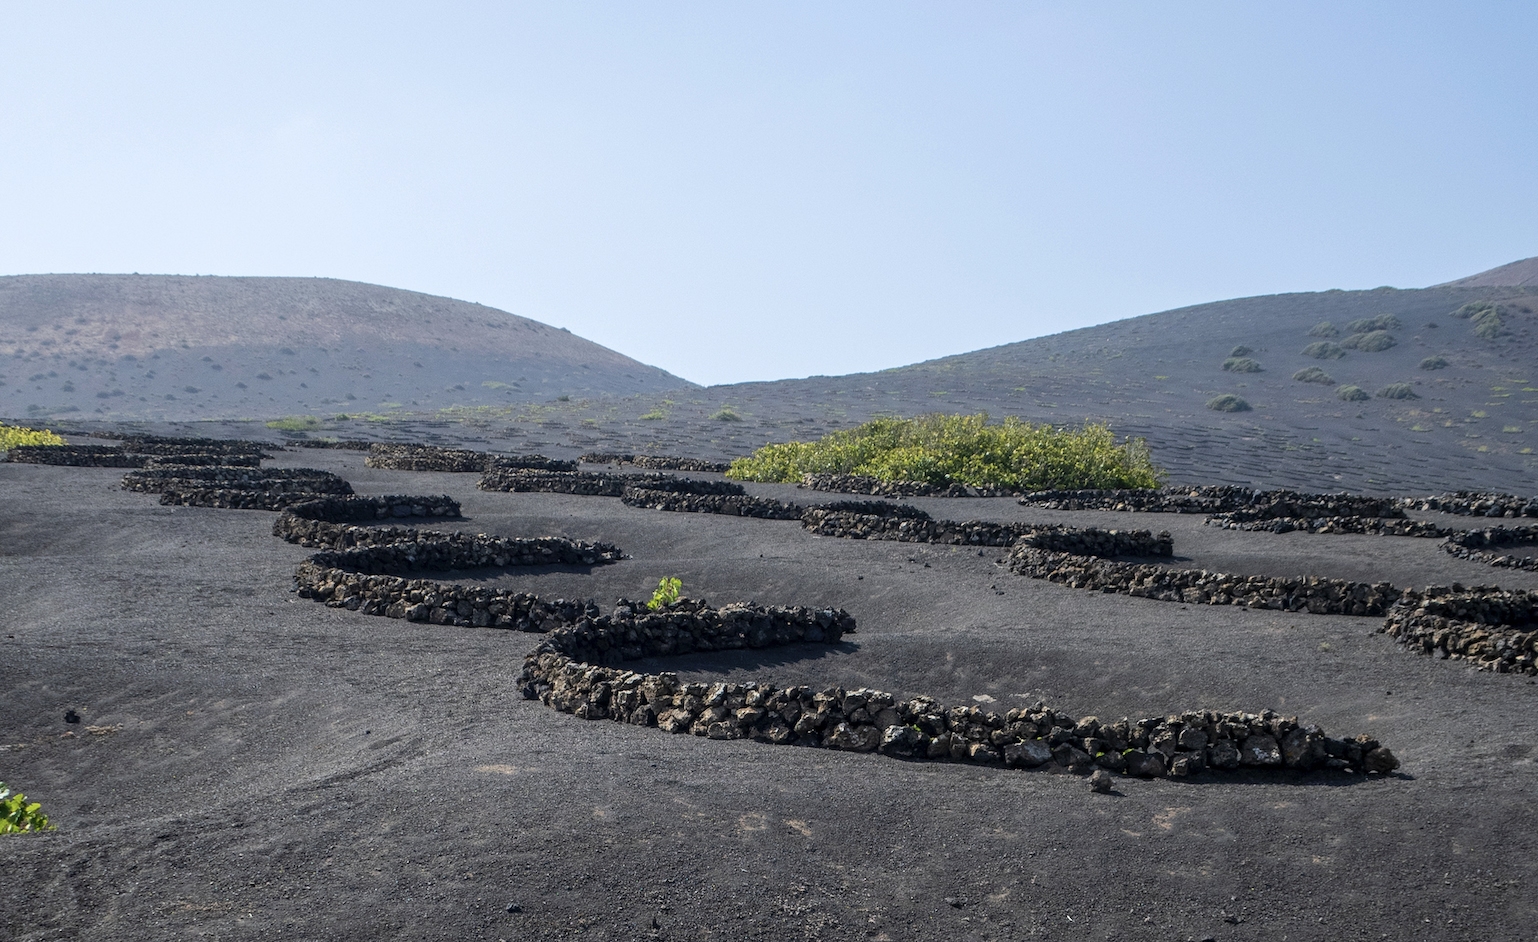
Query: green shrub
[
  {"x": 1367, "y": 325},
  {"x": 1372, "y": 342},
  {"x": 1323, "y": 329},
  {"x": 1469, "y": 310},
  {"x": 654, "y": 416},
  {"x": 295, "y": 423},
  {"x": 17, "y": 815},
  {"x": 1241, "y": 365},
  {"x": 14, "y": 436},
  {"x": 1241, "y": 351},
  {"x": 666, "y": 594},
  {"x": 1228, "y": 402},
  {"x": 1313, "y": 374},
  {"x": 1352, "y": 393},
  {"x": 1397, "y": 391},
  {"x": 727, "y": 415},
  {"x": 1434, "y": 363},
  {"x": 1488, "y": 326},
  {"x": 962, "y": 449},
  {"x": 1324, "y": 350}
]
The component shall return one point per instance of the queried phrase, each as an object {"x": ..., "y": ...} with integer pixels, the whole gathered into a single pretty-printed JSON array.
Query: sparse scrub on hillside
[
  {"x": 1367, "y": 325},
  {"x": 1375, "y": 341},
  {"x": 1352, "y": 393},
  {"x": 1241, "y": 365},
  {"x": 1434, "y": 363},
  {"x": 1397, "y": 391},
  {"x": 726, "y": 414},
  {"x": 1489, "y": 327},
  {"x": 655, "y": 415},
  {"x": 962, "y": 449},
  {"x": 15, "y": 436},
  {"x": 1469, "y": 310},
  {"x": 295, "y": 423},
  {"x": 1228, "y": 402},
  {"x": 1241, "y": 351},
  {"x": 1324, "y": 329},
  {"x": 1313, "y": 374},
  {"x": 1324, "y": 350}
]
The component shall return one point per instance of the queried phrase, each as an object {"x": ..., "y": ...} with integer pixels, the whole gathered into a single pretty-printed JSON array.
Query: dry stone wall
[
  {"x": 585, "y": 483},
  {"x": 735, "y": 505},
  {"x": 910, "y": 529},
  {"x": 862, "y": 484},
  {"x": 1494, "y": 628},
  {"x": 392, "y": 456},
  {"x": 1243, "y": 503},
  {"x": 1371, "y": 526},
  {"x": 236, "y": 498},
  {"x": 1313, "y": 594},
  {"x": 1475, "y": 504},
  {"x": 329, "y": 523},
  {"x": 1478, "y": 545},
  {"x": 276, "y": 480},
  {"x": 656, "y": 462},
  {"x": 77, "y": 456}
]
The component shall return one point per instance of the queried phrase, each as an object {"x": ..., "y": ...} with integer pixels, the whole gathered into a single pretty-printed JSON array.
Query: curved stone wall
[
  {"x": 1371, "y": 526},
  {"x": 1475, "y": 504},
  {"x": 1476, "y": 545},
  {"x": 276, "y": 480},
  {"x": 1494, "y": 628},
  {"x": 656, "y": 462},
  {"x": 736, "y": 505},
  {"x": 77, "y": 456},
  {"x": 1199, "y": 587},
  {"x": 392, "y": 456},
  {"x": 236, "y": 498},
  {"x": 862, "y": 484}
]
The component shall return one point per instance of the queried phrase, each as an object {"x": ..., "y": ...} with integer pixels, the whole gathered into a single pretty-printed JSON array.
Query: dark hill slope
[
  {"x": 1474, "y": 423},
  {"x": 173, "y": 347},
  {"x": 1516, "y": 274}
]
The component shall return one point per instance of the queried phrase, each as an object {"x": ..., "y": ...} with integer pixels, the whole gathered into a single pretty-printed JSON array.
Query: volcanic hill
[{"x": 186, "y": 348}]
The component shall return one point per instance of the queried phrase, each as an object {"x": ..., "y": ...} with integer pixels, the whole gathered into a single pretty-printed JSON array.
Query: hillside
[
  {"x": 1516, "y": 274},
  {"x": 185, "y": 348}
]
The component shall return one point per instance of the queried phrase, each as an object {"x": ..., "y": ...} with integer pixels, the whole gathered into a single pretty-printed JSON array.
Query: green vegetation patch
[
  {"x": 1323, "y": 329},
  {"x": 1352, "y": 393},
  {"x": 1313, "y": 374},
  {"x": 15, "y": 436},
  {"x": 1324, "y": 350},
  {"x": 1369, "y": 324},
  {"x": 17, "y": 814},
  {"x": 666, "y": 594},
  {"x": 1434, "y": 363},
  {"x": 1241, "y": 365},
  {"x": 1241, "y": 351},
  {"x": 1397, "y": 391},
  {"x": 962, "y": 449},
  {"x": 1228, "y": 402},
  {"x": 726, "y": 414},
  {"x": 1371, "y": 342},
  {"x": 656, "y": 415},
  {"x": 295, "y": 423}
]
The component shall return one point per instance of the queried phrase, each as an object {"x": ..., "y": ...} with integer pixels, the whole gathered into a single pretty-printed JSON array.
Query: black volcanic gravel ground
[{"x": 263, "y": 767}]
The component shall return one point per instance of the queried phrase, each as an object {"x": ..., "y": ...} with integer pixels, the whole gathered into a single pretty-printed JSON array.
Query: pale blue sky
[{"x": 753, "y": 191}]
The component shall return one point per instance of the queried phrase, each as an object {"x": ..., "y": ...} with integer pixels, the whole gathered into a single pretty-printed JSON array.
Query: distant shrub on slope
[
  {"x": 1372, "y": 342},
  {"x": 1369, "y": 324},
  {"x": 1241, "y": 365},
  {"x": 1228, "y": 402},
  {"x": 1434, "y": 363},
  {"x": 962, "y": 449},
  {"x": 1241, "y": 351},
  {"x": 1397, "y": 391},
  {"x": 1324, "y": 350},
  {"x": 1352, "y": 393},
  {"x": 1323, "y": 329},
  {"x": 1313, "y": 374}
]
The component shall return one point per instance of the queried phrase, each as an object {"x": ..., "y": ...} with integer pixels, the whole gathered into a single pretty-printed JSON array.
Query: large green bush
[
  {"x": 1367, "y": 325},
  {"x": 962, "y": 449},
  {"x": 14, "y": 436},
  {"x": 1324, "y": 350},
  {"x": 1374, "y": 341},
  {"x": 1228, "y": 402},
  {"x": 1323, "y": 329},
  {"x": 1313, "y": 374},
  {"x": 1241, "y": 365}
]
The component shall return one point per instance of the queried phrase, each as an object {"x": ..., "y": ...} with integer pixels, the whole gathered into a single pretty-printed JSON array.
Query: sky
[{"x": 739, "y": 192}]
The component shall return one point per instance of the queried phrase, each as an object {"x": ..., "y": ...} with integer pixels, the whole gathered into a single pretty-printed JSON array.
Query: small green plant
[
  {"x": 1313, "y": 374},
  {"x": 655, "y": 415},
  {"x": 961, "y": 449},
  {"x": 1375, "y": 341},
  {"x": 1323, "y": 329},
  {"x": 1241, "y": 365},
  {"x": 1228, "y": 402},
  {"x": 295, "y": 423},
  {"x": 1324, "y": 350},
  {"x": 1397, "y": 391},
  {"x": 726, "y": 415},
  {"x": 1241, "y": 351},
  {"x": 17, "y": 815},
  {"x": 14, "y": 436},
  {"x": 666, "y": 594},
  {"x": 1352, "y": 393},
  {"x": 1369, "y": 324},
  {"x": 1434, "y": 363}
]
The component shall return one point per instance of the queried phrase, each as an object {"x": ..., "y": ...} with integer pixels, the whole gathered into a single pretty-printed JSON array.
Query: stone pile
[
  {"x": 530, "y": 462},
  {"x": 920, "y": 728},
  {"x": 144, "y": 452},
  {"x": 656, "y": 462},
  {"x": 393, "y": 456},
  {"x": 1252, "y": 503},
  {"x": 77, "y": 456},
  {"x": 1474, "y": 504},
  {"x": 345, "y": 444},
  {"x": 424, "y": 600},
  {"x": 1494, "y": 628},
  {"x": 200, "y": 460},
  {"x": 1475, "y": 545},
  {"x": 1313, "y": 594},
  {"x": 158, "y": 445},
  {"x": 863, "y": 484},
  {"x": 224, "y": 498},
  {"x": 735, "y": 505},
  {"x": 224, "y": 477},
  {"x": 874, "y": 508}
]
